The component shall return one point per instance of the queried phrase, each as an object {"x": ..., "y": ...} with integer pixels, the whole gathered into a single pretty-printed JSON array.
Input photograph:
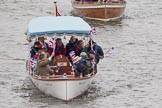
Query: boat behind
[{"x": 104, "y": 11}]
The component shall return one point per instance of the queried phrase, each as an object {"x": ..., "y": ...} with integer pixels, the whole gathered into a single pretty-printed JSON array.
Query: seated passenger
[
  {"x": 80, "y": 67},
  {"x": 97, "y": 50},
  {"x": 34, "y": 50},
  {"x": 43, "y": 64},
  {"x": 93, "y": 60},
  {"x": 60, "y": 49},
  {"x": 71, "y": 46},
  {"x": 43, "y": 50},
  {"x": 86, "y": 60},
  {"x": 80, "y": 46},
  {"x": 42, "y": 43}
]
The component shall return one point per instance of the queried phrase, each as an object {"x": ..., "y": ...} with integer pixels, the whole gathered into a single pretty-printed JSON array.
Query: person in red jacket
[
  {"x": 60, "y": 49},
  {"x": 42, "y": 43}
]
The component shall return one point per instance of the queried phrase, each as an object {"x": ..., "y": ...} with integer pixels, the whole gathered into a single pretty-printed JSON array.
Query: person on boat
[
  {"x": 86, "y": 60},
  {"x": 44, "y": 51},
  {"x": 60, "y": 49},
  {"x": 71, "y": 46},
  {"x": 34, "y": 50},
  {"x": 80, "y": 67},
  {"x": 80, "y": 46},
  {"x": 43, "y": 68},
  {"x": 99, "y": 54},
  {"x": 42, "y": 43},
  {"x": 93, "y": 60}
]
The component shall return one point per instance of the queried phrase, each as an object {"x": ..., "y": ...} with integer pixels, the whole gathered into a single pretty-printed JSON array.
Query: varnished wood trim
[{"x": 60, "y": 78}]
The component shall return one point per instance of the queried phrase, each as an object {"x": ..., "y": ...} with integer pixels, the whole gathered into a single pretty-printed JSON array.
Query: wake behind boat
[
  {"x": 99, "y": 10},
  {"x": 63, "y": 81}
]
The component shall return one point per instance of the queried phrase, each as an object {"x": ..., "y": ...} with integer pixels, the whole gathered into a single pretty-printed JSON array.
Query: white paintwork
[{"x": 64, "y": 89}]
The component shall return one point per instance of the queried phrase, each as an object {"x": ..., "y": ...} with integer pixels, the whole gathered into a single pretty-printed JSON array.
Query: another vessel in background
[{"x": 99, "y": 10}]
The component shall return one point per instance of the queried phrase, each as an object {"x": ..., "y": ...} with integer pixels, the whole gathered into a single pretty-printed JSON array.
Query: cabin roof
[{"x": 48, "y": 25}]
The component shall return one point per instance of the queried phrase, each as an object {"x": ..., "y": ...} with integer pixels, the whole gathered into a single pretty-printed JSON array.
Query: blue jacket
[{"x": 98, "y": 52}]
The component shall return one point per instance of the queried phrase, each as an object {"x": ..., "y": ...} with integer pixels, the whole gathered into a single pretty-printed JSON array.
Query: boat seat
[{"x": 63, "y": 63}]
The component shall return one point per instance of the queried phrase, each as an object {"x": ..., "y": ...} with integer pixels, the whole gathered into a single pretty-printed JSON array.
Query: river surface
[{"x": 130, "y": 76}]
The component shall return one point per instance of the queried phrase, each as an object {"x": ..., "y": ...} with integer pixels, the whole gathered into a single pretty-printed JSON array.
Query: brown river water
[{"x": 130, "y": 76}]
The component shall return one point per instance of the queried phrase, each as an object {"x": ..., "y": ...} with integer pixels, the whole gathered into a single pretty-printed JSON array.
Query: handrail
[
  {"x": 60, "y": 77},
  {"x": 100, "y": 3}
]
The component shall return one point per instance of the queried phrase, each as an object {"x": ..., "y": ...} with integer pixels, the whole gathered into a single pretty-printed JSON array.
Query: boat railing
[
  {"x": 61, "y": 77},
  {"x": 110, "y": 2},
  {"x": 56, "y": 76}
]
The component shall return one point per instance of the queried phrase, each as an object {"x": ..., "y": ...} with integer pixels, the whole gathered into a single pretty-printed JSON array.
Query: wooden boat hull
[
  {"x": 100, "y": 12},
  {"x": 64, "y": 89}
]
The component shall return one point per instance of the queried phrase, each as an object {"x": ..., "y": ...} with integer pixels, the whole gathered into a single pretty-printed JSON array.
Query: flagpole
[
  {"x": 93, "y": 65},
  {"x": 91, "y": 32},
  {"x": 55, "y": 13}
]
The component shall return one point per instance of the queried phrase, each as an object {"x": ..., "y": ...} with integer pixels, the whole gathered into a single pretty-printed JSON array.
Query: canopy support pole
[{"x": 55, "y": 13}]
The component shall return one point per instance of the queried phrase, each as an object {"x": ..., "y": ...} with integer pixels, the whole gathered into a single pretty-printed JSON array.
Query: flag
[
  {"x": 72, "y": 54},
  {"x": 93, "y": 31},
  {"x": 36, "y": 56},
  {"x": 52, "y": 43},
  {"x": 93, "y": 63},
  {"x": 33, "y": 62},
  {"x": 57, "y": 13}
]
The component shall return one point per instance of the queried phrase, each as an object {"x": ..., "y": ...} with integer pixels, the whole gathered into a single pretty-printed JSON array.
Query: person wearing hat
[
  {"x": 93, "y": 60},
  {"x": 99, "y": 54},
  {"x": 86, "y": 60},
  {"x": 79, "y": 67},
  {"x": 43, "y": 68}
]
